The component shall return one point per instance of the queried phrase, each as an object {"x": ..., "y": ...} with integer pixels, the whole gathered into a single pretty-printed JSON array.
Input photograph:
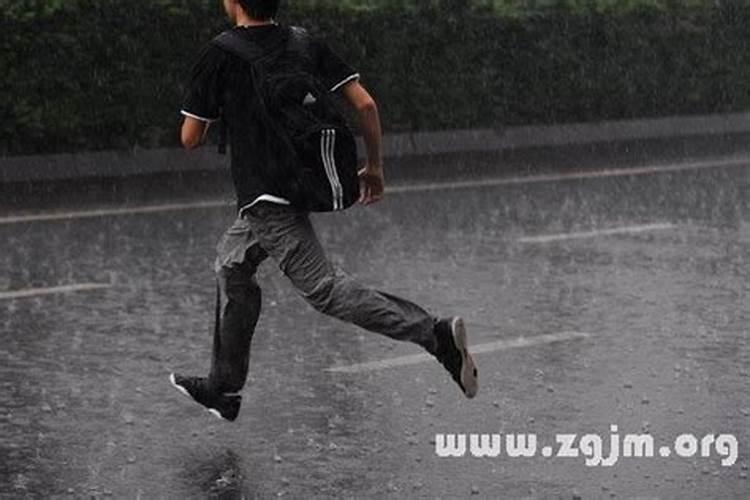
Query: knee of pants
[
  {"x": 325, "y": 295},
  {"x": 321, "y": 296},
  {"x": 237, "y": 286}
]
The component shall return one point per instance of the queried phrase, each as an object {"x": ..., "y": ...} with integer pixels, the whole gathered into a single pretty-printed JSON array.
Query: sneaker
[
  {"x": 224, "y": 406},
  {"x": 454, "y": 355}
]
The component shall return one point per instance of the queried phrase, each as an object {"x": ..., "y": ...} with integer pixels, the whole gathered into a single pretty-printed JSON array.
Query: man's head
[{"x": 257, "y": 10}]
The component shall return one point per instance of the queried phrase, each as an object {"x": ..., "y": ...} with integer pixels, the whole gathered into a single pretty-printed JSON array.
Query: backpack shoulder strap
[
  {"x": 299, "y": 34},
  {"x": 230, "y": 41},
  {"x": 233, "y": 42},
  {"x": 300, "y": 41}
]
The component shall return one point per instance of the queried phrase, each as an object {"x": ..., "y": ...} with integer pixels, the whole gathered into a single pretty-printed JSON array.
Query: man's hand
[{"x": 371, "y": 184}]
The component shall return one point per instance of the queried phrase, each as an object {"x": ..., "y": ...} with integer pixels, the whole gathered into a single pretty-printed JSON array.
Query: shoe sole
[
  {"x": 469, "y": 374},
  {"x": 184, "y": 391}
]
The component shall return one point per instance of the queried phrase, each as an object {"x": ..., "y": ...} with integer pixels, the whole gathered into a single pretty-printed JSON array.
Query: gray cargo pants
[{"x": 287, "y": 236}]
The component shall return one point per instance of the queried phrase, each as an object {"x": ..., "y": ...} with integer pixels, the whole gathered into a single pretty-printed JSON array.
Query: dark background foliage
[{"x": 104, "y": 74}]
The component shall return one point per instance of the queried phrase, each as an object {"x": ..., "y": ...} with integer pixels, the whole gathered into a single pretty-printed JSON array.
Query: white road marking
[
  {"x": 82, "y": 214},
  {"x": 614, "y": 172},
  {"x": 529, "y": 179},
  {"x": 595, "y": 233},
  {"x": 500, "y": 345},
  {"x": 34, "y": 292}
]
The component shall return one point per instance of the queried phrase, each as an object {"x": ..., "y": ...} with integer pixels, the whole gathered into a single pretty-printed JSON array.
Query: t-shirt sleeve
[
  {"x": 202, "y": 99},
  {"x": 332, "y": 70}
]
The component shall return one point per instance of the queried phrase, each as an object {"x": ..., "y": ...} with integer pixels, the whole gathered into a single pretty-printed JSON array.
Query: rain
[{"x": 569, "y": 177}]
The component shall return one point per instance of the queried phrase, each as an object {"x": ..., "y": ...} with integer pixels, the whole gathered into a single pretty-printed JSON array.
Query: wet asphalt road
[{"x": 86, "y": 409}]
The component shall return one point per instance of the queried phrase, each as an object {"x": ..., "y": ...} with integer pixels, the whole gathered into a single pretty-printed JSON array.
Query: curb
[
  {"x": 109, "y": 164},
  {"x": 485, "y": 140}
]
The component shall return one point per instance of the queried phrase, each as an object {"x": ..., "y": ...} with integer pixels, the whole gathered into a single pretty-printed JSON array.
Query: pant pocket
[{"x": 233, "y": 245}]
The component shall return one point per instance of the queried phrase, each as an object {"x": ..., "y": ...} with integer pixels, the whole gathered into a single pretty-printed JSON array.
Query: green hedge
[{"x": 105, "y": 74}]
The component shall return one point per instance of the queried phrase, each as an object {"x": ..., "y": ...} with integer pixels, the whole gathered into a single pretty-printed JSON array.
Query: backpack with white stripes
[{"x": 314, "y": 150}]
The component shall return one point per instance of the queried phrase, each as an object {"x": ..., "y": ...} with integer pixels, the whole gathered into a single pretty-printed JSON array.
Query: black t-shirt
[{"x": 221, "y": 87}]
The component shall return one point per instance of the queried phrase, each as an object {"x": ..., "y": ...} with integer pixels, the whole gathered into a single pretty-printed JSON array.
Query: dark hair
[{"x": 260, "y": 9}]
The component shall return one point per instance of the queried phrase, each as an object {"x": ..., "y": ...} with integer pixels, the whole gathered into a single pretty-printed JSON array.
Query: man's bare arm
[
  {"x": 372, "y": 175},
  {"x": 193, "y": 132},
  {"x": 367, "y": 109}
]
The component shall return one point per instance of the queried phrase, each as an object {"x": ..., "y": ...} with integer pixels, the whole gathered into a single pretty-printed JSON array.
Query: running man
[{"x": 269, "y": 226}]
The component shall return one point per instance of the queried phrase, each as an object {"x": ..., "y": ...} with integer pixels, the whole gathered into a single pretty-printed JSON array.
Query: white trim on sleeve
[
  {"x": 343, "y": 82},
  {"x": 191, "y": 115}
]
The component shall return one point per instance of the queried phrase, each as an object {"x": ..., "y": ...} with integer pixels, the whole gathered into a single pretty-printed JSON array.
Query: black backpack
[{"x": 314, "y": 151}]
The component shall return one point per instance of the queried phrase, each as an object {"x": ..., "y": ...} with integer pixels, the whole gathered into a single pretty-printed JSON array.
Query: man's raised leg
[{"x": 289, "y": 238}]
